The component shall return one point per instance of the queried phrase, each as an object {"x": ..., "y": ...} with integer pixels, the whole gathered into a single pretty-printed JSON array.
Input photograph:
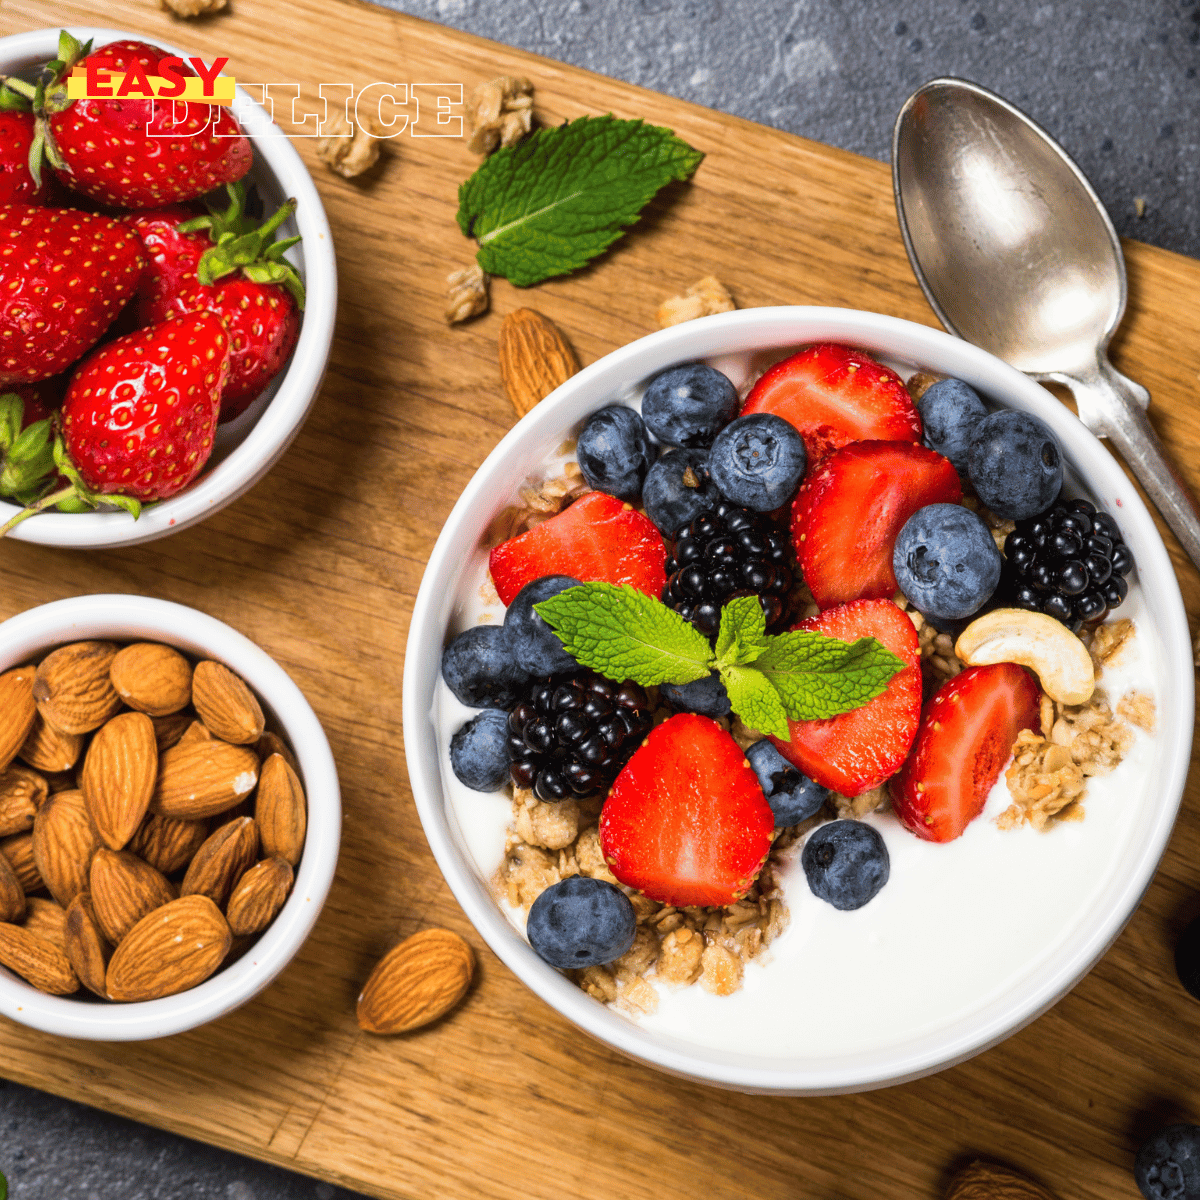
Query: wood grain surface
[{"x": 319, "y": 564}]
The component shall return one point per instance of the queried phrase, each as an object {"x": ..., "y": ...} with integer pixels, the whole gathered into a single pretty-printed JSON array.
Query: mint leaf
[
  {"x": 755, "y": 700},
  {"x": 819, "y": 676},
  {"x": 550, "y": 204},
  {"x": 743, "y": 632},
  {"x": 624, "y": 634}
]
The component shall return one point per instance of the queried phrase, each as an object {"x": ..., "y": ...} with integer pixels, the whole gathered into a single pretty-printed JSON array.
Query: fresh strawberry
[
  {"x": 858, "y": 750},
  {"x": 835, "y": 395},
  {"x": 597, "y": 539},
  {"x": 64, "y": 276},
  {"x": 966, "y": 736},
  {"x": 17, "y": 185},
  {"x": 686, "y": 821},
  {"x": 172, "y": 259},
  {"x": 849, "y": 511}
]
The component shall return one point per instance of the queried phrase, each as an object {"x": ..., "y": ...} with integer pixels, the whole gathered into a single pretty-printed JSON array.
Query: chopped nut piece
[
  {"x": 500, "y": 113},
  {"x": 705, "y": 297},
  {"x": 347, "y": 149},
  {"x": 192, "y": 8},
  {"x": 468, "y": 291}
]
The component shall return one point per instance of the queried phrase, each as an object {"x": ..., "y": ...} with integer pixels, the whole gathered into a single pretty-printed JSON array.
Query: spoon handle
[{"x": 1115, "y": 407}]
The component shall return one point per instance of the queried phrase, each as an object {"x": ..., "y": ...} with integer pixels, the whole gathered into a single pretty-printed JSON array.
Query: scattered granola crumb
[
  {"x": 552, "y": 826},
  {"x": 538, "y": 503},
  {"x": 500, "y": 113},
  {"x": 857, "y": 807},
  {"x": 705, "y": 297},
  {"x": 679, "y": 956},
  {"x": 1106, "y": 642},
  {"x": 920, "y": 382},
  {"x": 720, "y": 971},
  {"x": 1139, "y": 709},
  {"x": 468, "y": 292},
  {"x": 347, "y": 149},
  {"x": 192, "y": 8}
]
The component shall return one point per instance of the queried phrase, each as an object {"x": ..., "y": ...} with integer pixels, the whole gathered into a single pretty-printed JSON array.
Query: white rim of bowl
[
  {"x": 142, "y": 617},
  {"x": 283, "y": 417},
  {"x": 769, "y": 329}
]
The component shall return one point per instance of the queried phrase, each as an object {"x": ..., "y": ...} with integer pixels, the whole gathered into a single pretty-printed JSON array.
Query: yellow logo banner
[{"x": 99, "y": 84}]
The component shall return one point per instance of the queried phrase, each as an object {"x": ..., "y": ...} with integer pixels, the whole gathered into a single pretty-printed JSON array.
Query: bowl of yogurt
[{"x": 969, "y": 940}]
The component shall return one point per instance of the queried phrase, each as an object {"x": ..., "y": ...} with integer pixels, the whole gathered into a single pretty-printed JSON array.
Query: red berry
[
  {"x": 686, "y": 821},
  {"x": 597, "y": 539},
  {"x": 848, "y": 513},
  {"x": 835, "y": 395},
  {"x": 858, "y": 750},
  {"x": 16, "y": 183},
  {"x": 966, "y": 736},
  {"x": 172, "y": 259}
]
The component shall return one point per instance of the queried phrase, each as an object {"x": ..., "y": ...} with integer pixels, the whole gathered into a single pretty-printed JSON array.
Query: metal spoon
[{"x": 1016, "y": 254}]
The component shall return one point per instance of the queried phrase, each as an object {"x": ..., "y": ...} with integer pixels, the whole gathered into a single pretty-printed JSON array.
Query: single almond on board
[
  {"x": 534, "y": 358},
  {"x": 64, "y": 841},
  {"x": 48, "y": 749},
  {"x": 18, "y": 849},
  {"x": 281, "y": 811},
  {"x": 22, "y": 793},
  {"x": 118, "y": 776},
  {"x": 416, "y": 982},
  {"x": 152, "y": 678},
  {"x": 271, "y": 743},
  {"x": 47, "y": 919},
  {"x": 203, "y": 778},
  {"x": 17, "y": 710},
  {"x": 258, "y": 896},
  {"x": 168, "y": 844},
  {"x": 173, "y": 949},
  {"x": 124, "y": 889},
  {"x": 987, "y": 1181},
  {"x": 226, "y": 705},
  {"x": 12, "y": 894},
  {"x": 72, "y": 689},
  {"x": 38, "y": 962},
  {"x": 86, "y": 948},
  {"x": 222, "y": 861},
  {"x": 168, "y": 730}
]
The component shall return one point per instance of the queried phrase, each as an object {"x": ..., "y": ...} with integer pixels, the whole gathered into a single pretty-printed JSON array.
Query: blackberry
[
  {"x": 571, "y": 734},
  {"x": 727, "y": 552},
  {"x": 1069, "y": 562}
]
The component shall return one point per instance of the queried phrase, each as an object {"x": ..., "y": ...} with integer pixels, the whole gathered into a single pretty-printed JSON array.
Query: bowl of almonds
[{"x": 169, "y": 818}]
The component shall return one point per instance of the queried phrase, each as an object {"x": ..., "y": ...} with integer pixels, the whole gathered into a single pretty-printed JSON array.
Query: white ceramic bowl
[
  {"x": 616, "y": 376},
  {"x": 140, "y": 618},
  {"x": 247, "y": 448}
]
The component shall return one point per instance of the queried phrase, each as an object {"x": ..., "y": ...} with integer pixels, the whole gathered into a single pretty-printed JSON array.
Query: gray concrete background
[{"x": 1114, "y": 80}]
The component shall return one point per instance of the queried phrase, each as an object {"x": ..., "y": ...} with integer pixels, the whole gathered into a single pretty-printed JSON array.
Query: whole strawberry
[{"x": 64, "y": 276}]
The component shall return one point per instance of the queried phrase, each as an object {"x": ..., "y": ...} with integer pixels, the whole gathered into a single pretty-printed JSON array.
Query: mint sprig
[
  {"x": 803, "y": 676},
  {"x": 550, "y": 204}
]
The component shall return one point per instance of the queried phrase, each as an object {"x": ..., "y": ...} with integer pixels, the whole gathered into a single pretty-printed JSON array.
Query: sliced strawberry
[
  {"x": 835, "y": 395},
  {"x": 966, "y": 736},
  {"x": 848, "y": 513},
  {"x": 858, "y": 750},
  {"x": 597, "y": 539},
  {"x": 686, "y": 821}
]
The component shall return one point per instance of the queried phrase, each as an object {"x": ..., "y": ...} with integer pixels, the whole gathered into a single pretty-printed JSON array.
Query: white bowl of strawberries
[
  {"x": 787, "y": 722},
  {"x": 117, "y": 425}
]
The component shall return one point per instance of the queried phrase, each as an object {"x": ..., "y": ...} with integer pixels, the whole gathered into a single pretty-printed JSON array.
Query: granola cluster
[
  {"x": 349, "y": 149},
  {"x": 539, "y": 502},
  {"x": 500, "y": 113},
  {"x": 705, "y": 297},
  {"x": 467, "y": 294}
]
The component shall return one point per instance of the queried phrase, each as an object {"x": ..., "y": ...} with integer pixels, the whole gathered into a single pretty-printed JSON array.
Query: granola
[
  {"x": 705, "y": 297},
  {"x": 500, "y": 113},
  {"x": 347, "y": 149},
  {"x": 468, "y": 294}
]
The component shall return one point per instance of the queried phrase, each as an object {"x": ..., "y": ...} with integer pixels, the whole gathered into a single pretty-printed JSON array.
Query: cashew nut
[{"x": 1034, "y": 640}]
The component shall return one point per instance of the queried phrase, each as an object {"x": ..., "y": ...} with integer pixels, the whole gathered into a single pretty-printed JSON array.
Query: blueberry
[
  {"x": 1015, "y": 464},
  {"x": 845, "y": 863},
  {"x": 535, "y": 646},
  {"x": 1167, "y": 1167},
  {"x": 479, "y": 668},
  {"x": 614, "y": 452},
  {"x": 581, "y": 922},
  {"x": 673, "y": 497},
  {"x": 706, "y": 696},
  {"x": 757, "y": 461},
  {"x": 950, "y": 410},
  {"x": 793, "y": 797},
  {"x": 946, "y": 561},
  {"x": 688, "y": 405},
  {"x": 1187, "y": 958},
  {"x": 479, "y": 751}
]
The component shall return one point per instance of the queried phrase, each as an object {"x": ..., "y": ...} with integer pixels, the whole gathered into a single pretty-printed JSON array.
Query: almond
[
  {"x": 12, "y": 894},
  {"x": 416, "y": 982},
  {"x": 987, "y": 1181},
  {"x": 197, "y": 731},
  {"x": 280, "y": 810},
  {"x": 173, "y": 949},
  {"x": 203, "y": 778},
  {"x": 226, "y": 705},
  {"x": 258, "y": 896},
  {"x": 118, "y": 776},
  {"x": 22, "y": 793},
  {"x": 168, "y": 730},
  {"x": 222, "y": 861},
  {"x": 18, "y": 849},
  {"x": 124, "y": 889},
  {"x": 167, "y": 843},
  {"x": 534, "y": 358},
  {"x": 272, "y": 743},
  {"x": 63, "y": 843},
  {"x": 72, "y": 688},
  {"x": 48, "y": 749},
  {"x": 152, "y": 678},
  {"x": 17, "y": 710},
  {"x": 47, "y": 920},
  {"x": 86, "y": 948},
  {"x": 38, "y": 962}
]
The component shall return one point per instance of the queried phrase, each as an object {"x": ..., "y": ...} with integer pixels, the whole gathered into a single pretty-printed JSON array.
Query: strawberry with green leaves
[
  {"x": 26, "y": 445},
  {"x": 17, "y": 185}
]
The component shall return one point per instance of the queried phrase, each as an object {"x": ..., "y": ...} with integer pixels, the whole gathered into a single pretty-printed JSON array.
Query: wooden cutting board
[{"x": 320, "y": 563}]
